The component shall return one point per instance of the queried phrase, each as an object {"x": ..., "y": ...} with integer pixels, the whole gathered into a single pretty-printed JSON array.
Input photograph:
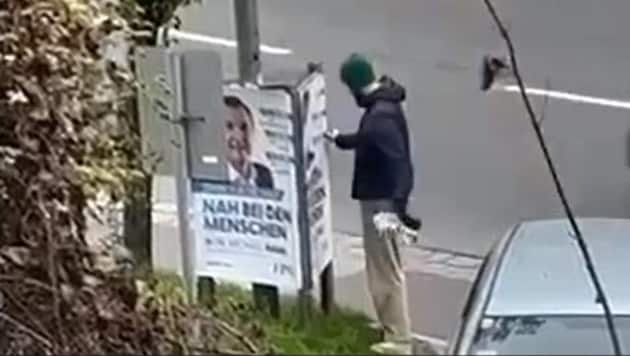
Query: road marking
[
  {"x": 224, "y": 42},
  {"x": 576, "y": 98}
]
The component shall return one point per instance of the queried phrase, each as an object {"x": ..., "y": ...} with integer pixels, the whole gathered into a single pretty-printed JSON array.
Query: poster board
[
  {"x": 252, "y": 189},
  {"x": 246, "y": 223},
  {"x": 312, "y": 93}
]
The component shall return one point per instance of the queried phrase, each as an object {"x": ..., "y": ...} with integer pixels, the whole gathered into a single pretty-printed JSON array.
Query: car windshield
[{"x": 548, "y": 335}]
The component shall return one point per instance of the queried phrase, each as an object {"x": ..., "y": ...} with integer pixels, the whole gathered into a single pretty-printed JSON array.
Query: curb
[
  {"x": 447, "y": 251},
  {"x": 438, "y": 346},
  {"x": 421, "y": 246}
]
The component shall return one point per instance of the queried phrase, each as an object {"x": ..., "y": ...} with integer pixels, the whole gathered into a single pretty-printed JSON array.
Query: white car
[{"x": 533, "y": 294}]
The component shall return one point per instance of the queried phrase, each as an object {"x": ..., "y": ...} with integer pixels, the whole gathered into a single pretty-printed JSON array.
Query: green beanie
[{"x": 357, "y": 72}]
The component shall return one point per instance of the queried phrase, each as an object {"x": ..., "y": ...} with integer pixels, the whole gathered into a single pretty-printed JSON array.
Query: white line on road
[
  {"x": 224, "y": 42},
  {"x": 620, "y": 104}
]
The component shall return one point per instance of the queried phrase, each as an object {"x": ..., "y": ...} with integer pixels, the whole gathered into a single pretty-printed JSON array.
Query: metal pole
[
  {"x": 305, "y": 297},
  {"x": 327, "y": 283},
  {"x": 183, "y": 180},
  {"x": 248, "y": 38}
]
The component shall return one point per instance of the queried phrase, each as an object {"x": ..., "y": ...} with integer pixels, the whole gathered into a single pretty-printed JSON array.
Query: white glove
[
  {"x": 331, "y": 135},
  {"x": 388, "y": 225}
]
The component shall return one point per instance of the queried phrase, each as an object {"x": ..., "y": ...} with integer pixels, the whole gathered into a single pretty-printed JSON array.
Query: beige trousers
[{"x": 385, "y": 275}]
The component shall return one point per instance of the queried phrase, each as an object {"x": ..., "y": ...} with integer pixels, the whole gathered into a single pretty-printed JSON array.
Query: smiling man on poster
[{"x": 239, "y": 131}]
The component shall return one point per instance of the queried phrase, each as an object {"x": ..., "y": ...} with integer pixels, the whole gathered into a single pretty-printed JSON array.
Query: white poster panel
[
  {"x": 313, "y": 95},
  {"x": 246, "y": 225}
]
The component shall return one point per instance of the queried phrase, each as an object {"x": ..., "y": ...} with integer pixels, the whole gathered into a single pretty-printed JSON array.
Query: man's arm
[
  {"x": 347, "y": 141},
  {"x": 343, "y": 141}
]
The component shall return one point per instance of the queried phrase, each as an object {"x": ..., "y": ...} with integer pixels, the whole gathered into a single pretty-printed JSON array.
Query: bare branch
[
  {"x": 27, "y": 330},
  {"x": 237, "y": 334},
  {"x": 601, "y": 296}
]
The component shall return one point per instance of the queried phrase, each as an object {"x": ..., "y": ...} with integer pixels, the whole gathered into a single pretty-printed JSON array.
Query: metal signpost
[
  {"x": 177, "y": 108},
  {"x": 248, "y": 39},
  {"x": 317, "y": 189}
]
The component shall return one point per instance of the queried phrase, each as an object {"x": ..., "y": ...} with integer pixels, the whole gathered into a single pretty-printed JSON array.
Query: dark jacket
[{"x": 382, "y": 166}]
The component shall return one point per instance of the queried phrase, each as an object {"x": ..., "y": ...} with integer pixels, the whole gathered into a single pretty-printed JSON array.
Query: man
[
  {"x": 239, "y": 129},
  {"x": 382, "y": 182}
]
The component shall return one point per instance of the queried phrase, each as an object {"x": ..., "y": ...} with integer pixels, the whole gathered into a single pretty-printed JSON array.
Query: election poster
[
  {"x": 313, "y": 95},
  {"x": 246, "y": 223}
]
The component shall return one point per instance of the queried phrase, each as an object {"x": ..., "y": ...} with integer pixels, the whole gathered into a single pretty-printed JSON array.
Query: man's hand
[
  {"x": 389, "y": 225},
  {"x": 331, "y": 135}
]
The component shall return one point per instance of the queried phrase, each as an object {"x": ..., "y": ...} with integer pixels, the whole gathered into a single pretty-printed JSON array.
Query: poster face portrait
[
  {"x": 247, "y": 220},
  {"x": 239, "y": 131}
]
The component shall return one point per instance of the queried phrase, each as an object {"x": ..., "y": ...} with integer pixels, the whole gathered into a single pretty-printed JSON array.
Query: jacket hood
[{"x": 389, "y": 90}]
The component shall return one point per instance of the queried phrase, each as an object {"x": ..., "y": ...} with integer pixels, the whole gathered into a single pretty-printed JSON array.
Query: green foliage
[
  {"x": 66, "y": 139},
  {"x": 166, "y": 285},
  {"x": 159, "y": 12},
  {"x": 151, "y": 14},
  {"x": 342, "y": 332},
  {"x": 67, "y": 99}
]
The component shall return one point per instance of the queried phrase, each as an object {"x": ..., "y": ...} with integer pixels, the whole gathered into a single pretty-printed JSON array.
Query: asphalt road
[
  {"x": 479, "y": 169},
  {"x": 478, "y": 166}
]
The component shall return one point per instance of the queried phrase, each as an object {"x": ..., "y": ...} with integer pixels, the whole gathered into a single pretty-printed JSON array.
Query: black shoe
[{"x": 410, "y": 222}]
